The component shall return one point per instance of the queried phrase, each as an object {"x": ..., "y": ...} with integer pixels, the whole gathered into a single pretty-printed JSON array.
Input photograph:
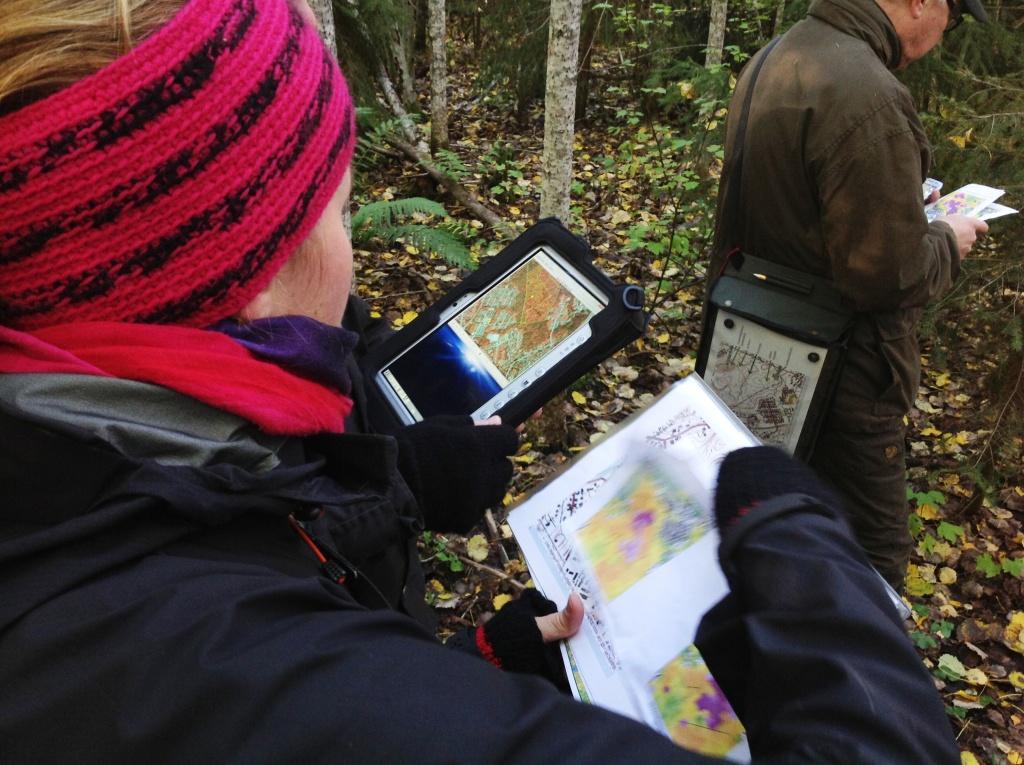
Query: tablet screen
[{"x": 504, "y": 339}]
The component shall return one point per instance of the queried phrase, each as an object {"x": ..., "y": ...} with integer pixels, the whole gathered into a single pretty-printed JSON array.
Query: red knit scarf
[{"x": 207, "y": 366}]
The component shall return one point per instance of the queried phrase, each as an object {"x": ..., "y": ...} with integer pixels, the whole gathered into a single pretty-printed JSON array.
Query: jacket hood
[
  {"x": 74, "y": 506},
  {"x": 865, "y": 20}
]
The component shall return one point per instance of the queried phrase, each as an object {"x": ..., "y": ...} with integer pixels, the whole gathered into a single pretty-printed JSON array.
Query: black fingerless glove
[
  {"x": 756, "y": 474},
  {"x": 455, "y": 469},
  {"x": 511, "y": 640}
]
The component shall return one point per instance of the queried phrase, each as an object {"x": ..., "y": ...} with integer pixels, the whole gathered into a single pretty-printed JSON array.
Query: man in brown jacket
[{"x": 833, "y": 163}]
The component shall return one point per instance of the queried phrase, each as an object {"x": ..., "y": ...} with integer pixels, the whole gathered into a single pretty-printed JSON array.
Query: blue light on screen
[{"x": 442, "y": 375}]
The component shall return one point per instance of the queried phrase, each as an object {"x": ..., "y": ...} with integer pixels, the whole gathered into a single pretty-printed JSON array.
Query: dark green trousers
[{"x": 868, "y": 471}]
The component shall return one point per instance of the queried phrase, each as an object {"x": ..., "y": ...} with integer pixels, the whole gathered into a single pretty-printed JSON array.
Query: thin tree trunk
[
  {"x": 780, "y": 12},
  {"x": 560, "y": 107},
  {"x": 324, "y": 12},
  {"x": 394, "y": 105},
  {"x": 716, "y": 33},
  {"x": 589, "y": 38},
  {"x": 438, "y": 76},
  {"x": 406, "y": 83}
]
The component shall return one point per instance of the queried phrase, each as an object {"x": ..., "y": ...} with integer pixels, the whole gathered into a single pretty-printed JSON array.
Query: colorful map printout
[
  {"x": 970, "y": 200},
  {"x": 520, "y": 321},
  {"x": 696, "y": 713},
  {"x": 648, "y": 485},
  {"x": 648, "y": 522}
]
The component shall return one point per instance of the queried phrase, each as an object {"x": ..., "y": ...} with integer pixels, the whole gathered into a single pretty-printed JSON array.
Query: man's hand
[{"x": 966, "y": 230}]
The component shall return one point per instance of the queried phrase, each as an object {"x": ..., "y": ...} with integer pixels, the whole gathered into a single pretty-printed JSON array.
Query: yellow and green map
[
  {"x": 648, "y": 521},
  {"x": 518, "y": 322},
  {"x": 696, "y": 712}
]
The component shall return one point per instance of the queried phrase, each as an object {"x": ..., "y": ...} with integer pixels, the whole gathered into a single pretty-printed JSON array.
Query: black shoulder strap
[{"x": 734, "y": 170}]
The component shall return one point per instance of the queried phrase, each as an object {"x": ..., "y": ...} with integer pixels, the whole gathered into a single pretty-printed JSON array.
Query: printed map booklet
[
  {"x": 973, "y": 200},
  {"x": 629, "y": 526}
]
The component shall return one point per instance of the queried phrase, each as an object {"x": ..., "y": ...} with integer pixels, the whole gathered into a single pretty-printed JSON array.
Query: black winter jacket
[{"x": 168, "y": 614}]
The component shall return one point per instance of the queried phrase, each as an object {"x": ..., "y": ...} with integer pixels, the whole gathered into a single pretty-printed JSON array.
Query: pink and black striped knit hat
[{"x": 170, "y": 186}]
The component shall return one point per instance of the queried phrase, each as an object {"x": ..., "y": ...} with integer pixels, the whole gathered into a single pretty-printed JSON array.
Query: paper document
[
  {"x": 629, "y": 527},
  {"x": 973, "y": 200}
]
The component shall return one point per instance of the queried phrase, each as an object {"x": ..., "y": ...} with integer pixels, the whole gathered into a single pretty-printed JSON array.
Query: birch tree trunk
[
  {"x": 560, "y": 107},
  {"x": 401, "y": 58},
  {"x": 438, "y": 76},
  {"x": 716, "y": 33},
  {"x": 324, "y": 12}
]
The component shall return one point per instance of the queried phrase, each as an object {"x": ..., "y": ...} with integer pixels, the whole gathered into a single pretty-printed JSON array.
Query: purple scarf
[{"x": 299, "y": 344}]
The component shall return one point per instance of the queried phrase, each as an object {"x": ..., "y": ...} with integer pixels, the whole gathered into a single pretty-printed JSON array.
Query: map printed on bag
[{"x": 765, "y": 378}]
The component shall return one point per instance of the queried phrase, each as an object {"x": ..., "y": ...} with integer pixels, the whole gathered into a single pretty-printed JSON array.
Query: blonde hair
[{"x": 46, "y": 45}]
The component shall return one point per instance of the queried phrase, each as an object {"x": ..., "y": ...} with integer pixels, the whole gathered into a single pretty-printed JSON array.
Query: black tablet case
[{"x": 621, "y": 321}]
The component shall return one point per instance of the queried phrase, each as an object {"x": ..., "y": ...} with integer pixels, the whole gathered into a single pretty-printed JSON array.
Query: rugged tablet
[{"x": 513, "y": 334}]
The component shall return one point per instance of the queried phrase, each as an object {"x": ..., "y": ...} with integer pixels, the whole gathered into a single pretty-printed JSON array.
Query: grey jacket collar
[{"x": 143, "y": 421}]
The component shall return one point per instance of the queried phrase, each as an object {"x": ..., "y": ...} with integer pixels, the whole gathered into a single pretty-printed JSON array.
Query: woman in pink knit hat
[
  {"x": 205, "y": 553},
  {"x": 185, "y": 473}
]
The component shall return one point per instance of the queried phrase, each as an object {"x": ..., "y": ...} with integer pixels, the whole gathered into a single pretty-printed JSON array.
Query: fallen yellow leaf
[
  {"x": 477, "y": 548},
  {"x": 662, "y": 338},
  {"x": 942, "y": 380},
  {"x": 579, "y": 398},
  {"x": 928, "y": 511},
  {"x": 966, "y": 758},
  {"x": 1014, "y": 758},
  {"x": 500, "y": 600},
  {"x": 408, "y": 316},
  {"x": 947, "y": 575},
  {"x": 916, "y": 585},
  {"x": 1012, "y": 634},
  {"x": 929, "y": 431},
  {"x": 976, "y": 677},
  {"x": 1017, "y": 680}
]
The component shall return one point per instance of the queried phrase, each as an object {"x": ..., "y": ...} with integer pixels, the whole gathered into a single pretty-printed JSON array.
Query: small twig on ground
[
  {"x": 494, "y": 572},
  {"x": 492, "y": 526}
]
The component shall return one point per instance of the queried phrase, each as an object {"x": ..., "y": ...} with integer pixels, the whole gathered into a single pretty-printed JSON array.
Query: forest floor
[{"x": 965, "y": 584}]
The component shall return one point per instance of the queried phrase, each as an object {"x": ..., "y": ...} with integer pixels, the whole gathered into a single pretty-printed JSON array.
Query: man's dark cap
[{"x": 976, "y": 9}]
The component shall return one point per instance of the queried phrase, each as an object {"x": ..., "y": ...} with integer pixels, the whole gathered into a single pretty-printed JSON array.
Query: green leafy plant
[
  {"x": 403, "y": 219},
  {"x": 436, "y": 548},
  {"x": 451, "y": 164}
]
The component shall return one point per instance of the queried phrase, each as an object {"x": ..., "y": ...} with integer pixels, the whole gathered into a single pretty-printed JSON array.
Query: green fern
[
  {"x": 437, "y": 240},
  {"x": 451, "y": 164},
  {"x": 386, "y": 220},
  {"x": 388, "y": 213}
]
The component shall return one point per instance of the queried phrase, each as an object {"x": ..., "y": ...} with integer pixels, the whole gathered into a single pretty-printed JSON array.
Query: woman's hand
[
  {"x": 456, "y": 471},
  {"x": 563, "y": 624}
]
